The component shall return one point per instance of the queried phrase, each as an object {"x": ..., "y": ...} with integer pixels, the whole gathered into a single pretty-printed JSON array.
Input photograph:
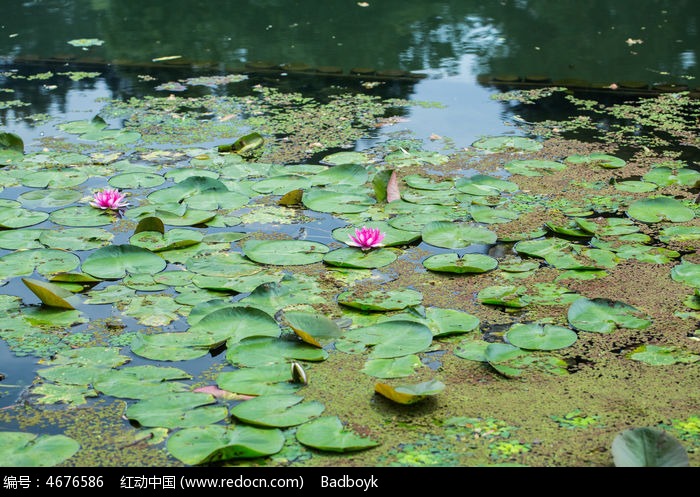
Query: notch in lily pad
[{"x": 409, "y": 393}]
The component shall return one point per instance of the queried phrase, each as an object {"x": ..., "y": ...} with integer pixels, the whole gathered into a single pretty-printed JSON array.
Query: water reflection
[{"x": 595, "y": 40}]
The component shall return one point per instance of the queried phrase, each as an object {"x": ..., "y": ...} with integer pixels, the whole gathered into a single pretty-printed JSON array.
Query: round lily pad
[
  {"x": 601, "y": 315},
  {"x": 214, "y": 443},
  {"x": 355, "y": 258},
  {"x": 260, "y": 380},
  {"x": 648, "y": 447},
  {"x": 507, "y": 143},
  {"x": 12, "y": 217},
  {"x": 258, "y": 351},
  {"x": 284, "y": 252},
  {"x": 387, "y": 339},
  {"x": 277, "y": 410},
  {"x": 20, "y": 449},
  {"x": 597, "y": 159},
  {"x": 453, "y": 263},
  {"x": 654, "y": 210},
  {"x": 381, "y": 300},
  {"x": 484, "y": 185},
  {"x": 322, "y": 200},
  {"x": 409, "y": 393},
  {"x": 533, "y": 167},
  {"x": 456, "y": 235},
  {"x": 312, "y": 328},
  {"x": 540, "y": 337},
  {"x": 328, "y": 433},
  {"x": 177, "y": 410},
  {"x": 116, "y": 261},
  {"x": 43, "y": 261}
]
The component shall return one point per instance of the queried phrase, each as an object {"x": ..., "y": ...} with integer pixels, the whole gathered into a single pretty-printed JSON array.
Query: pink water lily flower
[
  {"x": 366, "y": 238},
  {"x": 109, "y": 198}
]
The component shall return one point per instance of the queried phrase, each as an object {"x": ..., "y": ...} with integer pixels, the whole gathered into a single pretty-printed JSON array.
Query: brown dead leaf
[{"x": 392, "y": 188}]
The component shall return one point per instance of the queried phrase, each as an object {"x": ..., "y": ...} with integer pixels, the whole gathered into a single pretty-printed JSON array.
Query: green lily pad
[
  {"x": 393, "y": 367},
  {"x": 11, "y": 141},
  {"x": 512, "y": 362},
  {"x": 381, "y": 300},
  {"x": 453, "y": 263},
  {"x": 355, "y": 258},
  {"x": 403, "y": 158},
  {"x": 510, "y": 296},
  {"x": 473, "y": 350},
  {"x": 20, "y": 449},
  {"x": 46, "y": 198},
  {"x": 214, "y": 443},
  {"x": 341, "y": 174},
  {"x": 46, "y": 262},
  {"x": 655, "y": 210},
  {"x": 507, "y": 144},
  {"x": 338, "y": 158},
  {"x": 657, "y": 355},
  {"x": 178, "y": 346},
  {"x": 686, "y": 272},
  {"x": 533, "y": 167},
  {"x": 445, "y": 322},
  {"x": 75, "y": 239},
  {"x": 22, "y": 239},
  {"x": 489, "y": 215},
  {"x": 680, "y": 234},
  {"x": 136, "y": 180},
  {"x": 55, "y": 178},
  {"x": 233, "y": 324},
  {"x": 82, "y": 216},
  {"x": 279, "y": 185},
  {"x": 409, "y": 393},
  {"x": 312, "y": 328},
  {"x": 277, "y": 410},
  {"x": 666, "y": 176},
  {"x": 284, "y": 252},
  {"x": 261, "y": 351},
  {"x": 328, "y": 433},
  {"x": 177, "y": 410},
  {"x": 175, "y": 238},
  {"x": 601, "y": 315},
  {"x": 387, "y": 339},
  {"x": 116, "y": 261},
  {"x": 540, "y": 337},
  {"x": 240, "y": 283},
  {"x": 338, "y": 202},
  {"x": 141, "y": 382},
  {"x": 423, "y": 183},
  {"x": 446, "y": 234},
  {"x": 597, "y": 159},
  {"x": 12, "y": 217},
  {"x": 647, "y": 447},
  {"x": 633, "y": 186},
  {"x": 481, "y": 184},
  {"x": 260, "y": 380}
]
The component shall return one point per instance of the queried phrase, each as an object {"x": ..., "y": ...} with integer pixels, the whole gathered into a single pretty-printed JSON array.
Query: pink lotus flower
[
  {"x": 109, "y": 198},
  {"x": 366, "y": 238}
]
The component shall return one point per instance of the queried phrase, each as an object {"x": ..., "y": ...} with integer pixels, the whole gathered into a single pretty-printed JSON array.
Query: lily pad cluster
[{"x": 228, "y": 255}]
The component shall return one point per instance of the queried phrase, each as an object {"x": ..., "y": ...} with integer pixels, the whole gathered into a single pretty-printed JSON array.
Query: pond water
[{"x": 64, "y": 61}]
